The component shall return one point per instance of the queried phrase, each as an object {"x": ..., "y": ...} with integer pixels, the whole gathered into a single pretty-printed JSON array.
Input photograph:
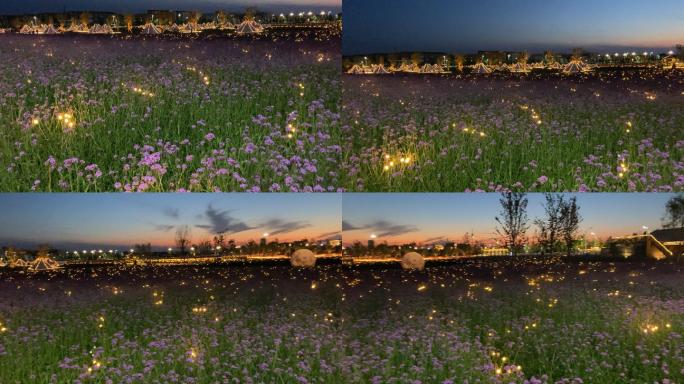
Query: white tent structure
[
  {"x": 519, "y": 68},
  {"x": 576, "y": 66},
  {"x": 481, "y": 69},
  {"x": 82, "y": 28},
  {"x": 150, "y": 29},
  {"x": 191, "y": 28},
  {"x": 379, "y": 69},
  {"x": 249, "y": 27},
  {"x": 355, "y": 70},
  {"x": 411, "y": 68},
  {"x": 51, "y": 30},
  {"x": 555, "y": 66},
  {"x": 101, "y": 29},
  {"x": 18, "y": 263},
  {"x": 538, "y": 65},
  {"x": 43, "y": 263},
  {"x": 25, "y": 30},
  {"x": 226, "y": 25}
]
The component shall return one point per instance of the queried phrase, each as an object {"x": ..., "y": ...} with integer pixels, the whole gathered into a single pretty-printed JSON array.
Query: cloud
[
  {"x": 222, "y": 222},
  {"x": 382, "y": 228},
  {"x": 163, "y": 227},
  {"x": 433, "y": 239},
  {"x": 335, "y": 235},
  {"x": 347, "y": 226},
  {"x": 171, "y": 212},
  {"x": 277, "y": 226}
]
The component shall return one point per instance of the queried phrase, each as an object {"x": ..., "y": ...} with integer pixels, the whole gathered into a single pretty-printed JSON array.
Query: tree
[
  {"x": 524, "y": 57},
  {"x": 577, "y": 53},
  {"x": 417, "y": 58},
  {"x": 182, "y": 238},
  {"x": 128, "y": 20},
  {"x": 219, "y": 241},
  {"x": 513, "y": 220},
  {"x": 459, "y": 60},
  {"x": 61, "y": 20},
  {"x": 549, "y": 57},
  {"x": 680, "y": 51},
  {"x": 674, "y": 212},
  {"x": 203, "y": 247},
  {"x": 143, "y": 249},
  {"x": 570, "y": 220},
  {"x": 550, "y": 226},
  {"x": 85, "y": 18},
  {"x": 195, "y": 16},
  {"x": 43, "y": 251}
]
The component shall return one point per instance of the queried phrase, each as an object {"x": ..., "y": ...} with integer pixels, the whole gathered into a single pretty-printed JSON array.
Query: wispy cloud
[
  {"x": 277, "y": 226},
  {"x": 347, "y": 226},
  {"x": 433, "y": 239},
  {"x": 163, "y": 227},
  {"x": 382, "y": 228},
  {"x": 220, "y": 221},
  {"x": 335, "y": 235}
]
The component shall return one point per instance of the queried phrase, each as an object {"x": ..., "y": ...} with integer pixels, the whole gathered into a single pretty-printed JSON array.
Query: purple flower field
[
  {"x": 499, "y": 320},
  {"x": 87, "y": 114},
  {"x": 605, "y": 131}
]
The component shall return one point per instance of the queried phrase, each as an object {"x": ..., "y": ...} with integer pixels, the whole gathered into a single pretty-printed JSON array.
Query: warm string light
[{"x": 397, "y": 161}]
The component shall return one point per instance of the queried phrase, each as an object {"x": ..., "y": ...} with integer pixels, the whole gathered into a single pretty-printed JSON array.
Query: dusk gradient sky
[
  {"x": 122, "y": 220},
  {"x": 434, "y": 217},
  {"x": 35, "y": 6},
  {"x": 383, "y": 26}
]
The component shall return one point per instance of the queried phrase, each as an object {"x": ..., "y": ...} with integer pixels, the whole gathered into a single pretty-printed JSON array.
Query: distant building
[
  {"x": 495, "y": 251},
  {"x": 162, "y": 17},
  {"x": 672, "y": 238},
  {"x": 659, "y": 244},
  {"x": 492, "y": 57}
]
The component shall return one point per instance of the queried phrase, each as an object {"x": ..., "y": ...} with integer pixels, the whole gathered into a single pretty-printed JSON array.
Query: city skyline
[
  {"x": 77, "y": 221},
  {"x": 400, "y": 218},
  {"x": 383, "y": 26},
  {"x": 13, "y": 7}
]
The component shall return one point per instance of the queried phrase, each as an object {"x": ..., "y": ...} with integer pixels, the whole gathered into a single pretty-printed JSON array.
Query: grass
[
  {"x": 599, "y": 132},
  {"x": 504, "y": 321},
  {"x": 169, "y": 115}
]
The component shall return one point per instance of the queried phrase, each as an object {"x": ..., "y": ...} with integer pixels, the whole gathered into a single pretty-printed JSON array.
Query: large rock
[
  {"x": 413, "y": 260},
  {"x": 303, "y": 258}
]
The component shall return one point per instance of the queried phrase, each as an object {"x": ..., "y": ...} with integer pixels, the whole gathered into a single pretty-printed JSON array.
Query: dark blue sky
[
  {"x": 31, "y": 6},
  {"x": 373, "y": 26}
]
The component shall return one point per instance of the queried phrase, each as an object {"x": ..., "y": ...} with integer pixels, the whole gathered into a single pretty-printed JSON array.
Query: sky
[
  {"x": 399, "y": 218},
  {"x": 119, "y": 220},
  {"x": 384, "y": 26},
  {"x": 36, "y": 6}
]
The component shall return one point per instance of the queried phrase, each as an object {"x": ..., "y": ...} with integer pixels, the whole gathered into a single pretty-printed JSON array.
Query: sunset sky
[
  {"x": 380, "y": 26},
  {"x": 122, "y": 220},
  {"x": 425, "y": 218},
  {"x": 24, "y": 6}
]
